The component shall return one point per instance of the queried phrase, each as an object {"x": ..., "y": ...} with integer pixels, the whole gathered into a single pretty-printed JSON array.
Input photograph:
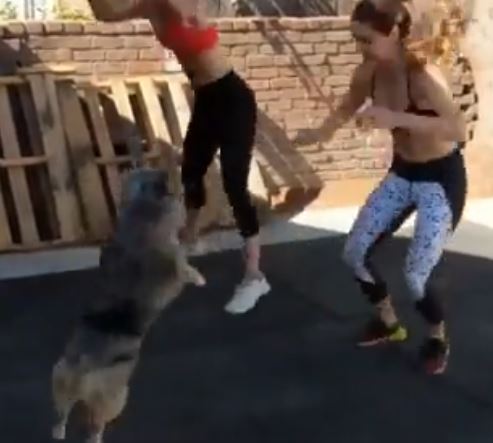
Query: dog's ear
[{"x": 193, "y": 276}]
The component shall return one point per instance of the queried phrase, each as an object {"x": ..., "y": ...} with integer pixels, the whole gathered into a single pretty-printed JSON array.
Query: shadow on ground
[{"x": 287, "y": 372}]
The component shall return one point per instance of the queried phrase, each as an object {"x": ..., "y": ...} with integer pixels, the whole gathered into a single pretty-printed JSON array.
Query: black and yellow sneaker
[
  {"x": 434, "y": 355},
  {"x": 377, "y": 332}
]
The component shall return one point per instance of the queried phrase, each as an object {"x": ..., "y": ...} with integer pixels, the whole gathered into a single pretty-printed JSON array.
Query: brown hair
[{"x": 440, "y": 28}]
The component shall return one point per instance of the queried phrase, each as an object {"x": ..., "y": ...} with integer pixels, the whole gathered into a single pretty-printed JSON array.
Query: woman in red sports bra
[
  {"x": 411, "y": 99},
  {"x": 224, "y": 117}
]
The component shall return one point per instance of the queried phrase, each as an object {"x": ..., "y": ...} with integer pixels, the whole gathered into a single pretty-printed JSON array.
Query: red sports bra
[{"x": 185, "y": 40}]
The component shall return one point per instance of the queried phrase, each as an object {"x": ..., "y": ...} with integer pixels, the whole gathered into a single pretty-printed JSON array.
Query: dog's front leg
[{"x": 193, "y": 276}]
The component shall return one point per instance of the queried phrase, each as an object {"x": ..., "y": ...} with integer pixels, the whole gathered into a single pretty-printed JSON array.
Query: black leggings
[{"x": 224, "y": 116}]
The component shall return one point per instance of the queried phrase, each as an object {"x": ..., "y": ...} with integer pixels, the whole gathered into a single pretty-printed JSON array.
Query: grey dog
[{"x": 142, "y": 269}]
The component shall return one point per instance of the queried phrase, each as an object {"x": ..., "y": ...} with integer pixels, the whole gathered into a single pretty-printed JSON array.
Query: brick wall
[{"x": 299, "y": 69}]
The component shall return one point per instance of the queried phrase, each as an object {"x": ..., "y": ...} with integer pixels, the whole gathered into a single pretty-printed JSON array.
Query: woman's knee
[
  {"x": 194, "y": 189},
  {"x": 353, "y": 255}
]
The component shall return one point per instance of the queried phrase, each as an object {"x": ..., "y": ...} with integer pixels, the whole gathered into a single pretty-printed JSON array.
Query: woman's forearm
[{"x": 119, "y": 11}]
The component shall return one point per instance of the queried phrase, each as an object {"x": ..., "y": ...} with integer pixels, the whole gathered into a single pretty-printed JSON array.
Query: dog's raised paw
[
  {"x": 58, "y": 432},
  {"x": 95, "y": 438}
]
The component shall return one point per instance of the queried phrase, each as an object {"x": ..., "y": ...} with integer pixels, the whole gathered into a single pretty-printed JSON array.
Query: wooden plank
[
  {"x": 17, "y": 175},
  {"x": 181, "y": 109},
  {"x": 103, "y": 140},
  {"x": 83, "y": 160},
  {"x": 119, "y": 93},
  {"x": 157, "y": 130},
  {"x": 23, "y": 161},
  {"x": 5, "y": 234},
  {"x": 124, "y": 159},
  {"x": 46, "y": 204},
  {"x": 48, "y": 114}
]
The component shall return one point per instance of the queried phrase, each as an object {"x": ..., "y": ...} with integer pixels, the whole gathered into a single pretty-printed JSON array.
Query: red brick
[
  {"x": 319, "y": 70},
  {"x": 89, "y": 55},
  {"x": 72, "y": 27},
  {"x": 292, "y": 36},
  {"x": 263, "y": 73},
  {"x": 293, "y": 93},
  {"x": 53, "y": 27},
  {"x": 297, "y": 24},
  {"x": 109, "y": 67},
  {"x": 326, "y": 48},
  {"x": 284, "y": 82},
  {"x": 238, "y": 63},
  {"x": 266, "y": 49},
  {"x": 320, "y": 23},
  {"x": 225, "y": 50},
  {"x": 259, "y": 85},
  {"x": 282, "y": 60},
  {"x": 235, "y": 38},
  {"x": 313, "y": 37},
  {"x": 344, "y": 59},
  {"x": 144, "y": 67},
  {"x": 124, "y": 28},
  {"x": 243, "y": 50},
  {"x": 33, "y": 27},
  {"x": 256, "y": 37},
  {"x": 142, "y": 27},
  {"x": 54, "y": 55},
  {"x": 71, "y": 42},
  {"x": 280, "y": 105},
  {"x": 107, "y": 42},
  {"x": 150, "y": 54},
  {"x": 14, "y": 29},
  {"x": 266, "y": 95},
  {"x": 139, "y": 42},
  {"x": 341, "y": 22},
  {"x": 304, "y": 104},
  {"x": 92, "y": 28},
  {"x": 259, "y": 60},
  {"x": 243, "y": 24},
  {"x": 302, "y": 48},
  {"x": 317, "y": 59},
  {"x": 339, "y": 90},
  {"x": 288, "y": 72},
  {"x": 121, "y": 54},
  {"x": 347, "y": 48},
  {"x": 223, "y": 24},
  {"x": 342, "y": 69},
  {"x": 339, "y": 36}
]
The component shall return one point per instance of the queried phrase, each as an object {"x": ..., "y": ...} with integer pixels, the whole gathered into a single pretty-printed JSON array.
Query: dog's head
[
  {"x": 146, "y": 189},
  {"x": 145, "y": 184}
]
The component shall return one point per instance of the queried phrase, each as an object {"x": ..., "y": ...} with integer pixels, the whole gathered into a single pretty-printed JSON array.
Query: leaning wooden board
[{"x": 72, "y": 161}]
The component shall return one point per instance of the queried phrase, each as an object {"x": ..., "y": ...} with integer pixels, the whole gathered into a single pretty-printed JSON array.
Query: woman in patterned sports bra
[
  {"x": 410, "y": 98},
  {"x": 224, "y": 116}
]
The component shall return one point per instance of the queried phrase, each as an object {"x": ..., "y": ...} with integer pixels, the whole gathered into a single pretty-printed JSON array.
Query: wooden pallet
[{"x": 66, "y": 145}]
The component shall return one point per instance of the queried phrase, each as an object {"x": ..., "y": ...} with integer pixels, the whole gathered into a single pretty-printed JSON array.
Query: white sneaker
[{"x": 246, "y": 295}]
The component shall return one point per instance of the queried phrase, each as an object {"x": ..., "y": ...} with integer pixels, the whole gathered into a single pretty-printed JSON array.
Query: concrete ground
[{"x": 286, "y": 372}]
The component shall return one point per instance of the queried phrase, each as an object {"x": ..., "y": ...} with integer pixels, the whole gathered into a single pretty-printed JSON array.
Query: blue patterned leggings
[{"x": 408, "y": 188}]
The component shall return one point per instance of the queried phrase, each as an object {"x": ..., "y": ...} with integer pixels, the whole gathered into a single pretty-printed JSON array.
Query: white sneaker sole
[{"x": 231, "y": 307}]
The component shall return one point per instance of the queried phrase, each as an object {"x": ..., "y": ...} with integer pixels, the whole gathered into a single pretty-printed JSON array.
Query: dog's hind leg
[
  {"x": 64, "y": 398},
  {"x": 104, "y": 410}
]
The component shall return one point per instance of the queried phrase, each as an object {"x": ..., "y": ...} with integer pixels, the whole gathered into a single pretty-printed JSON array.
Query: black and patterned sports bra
[{"x": 411, "y": 108}]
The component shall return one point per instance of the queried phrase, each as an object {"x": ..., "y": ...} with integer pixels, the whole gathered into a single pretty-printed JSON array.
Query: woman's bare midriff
[
  {"x": 418, "y": 148},
  {"x": 206, "y": 67}
]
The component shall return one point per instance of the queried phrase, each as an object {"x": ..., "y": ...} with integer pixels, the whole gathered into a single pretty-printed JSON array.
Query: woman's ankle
[{"x": 386, "y": 312}]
